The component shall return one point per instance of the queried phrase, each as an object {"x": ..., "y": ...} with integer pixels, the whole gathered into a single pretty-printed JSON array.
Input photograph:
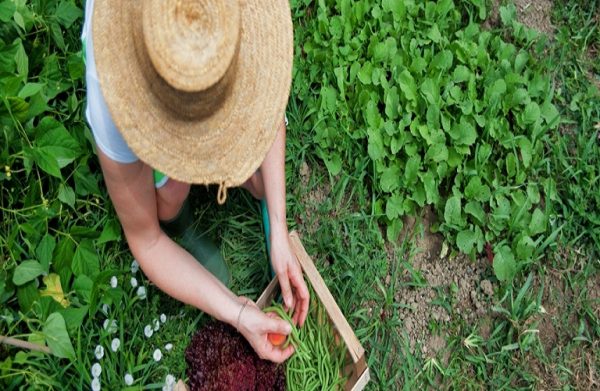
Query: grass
[{"x": 540, "y": 332}]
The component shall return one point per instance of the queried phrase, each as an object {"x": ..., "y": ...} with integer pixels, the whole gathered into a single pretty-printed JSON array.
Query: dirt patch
[
  {"x": 438, "y": 288},
  {"x": 536, "y": 14},
  {"x": 310, "y": 197}
]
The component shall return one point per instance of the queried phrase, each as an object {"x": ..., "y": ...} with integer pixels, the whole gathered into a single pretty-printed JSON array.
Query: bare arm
[
  {"x": 294, "y": 290},
  {"x": 173, "y": 269}
]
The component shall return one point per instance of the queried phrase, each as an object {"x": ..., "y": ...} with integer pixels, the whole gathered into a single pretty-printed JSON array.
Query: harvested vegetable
[
  {"x": 318, "y": 360},
  {"x": 276, "y": 339},
  {"x": 219, "y": 358}
]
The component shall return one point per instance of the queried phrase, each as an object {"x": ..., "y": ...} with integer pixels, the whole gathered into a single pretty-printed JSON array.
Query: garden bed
[{"x": 355, "y": 370}]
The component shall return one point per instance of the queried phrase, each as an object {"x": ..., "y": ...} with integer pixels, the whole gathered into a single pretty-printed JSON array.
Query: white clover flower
[
  {"x": 163, "y": 318},
  {"x": 113, "y": 281},
  {"x": 114, "y": 345},
  {"x": 148, "y": 331},
  {"x": 128, "y": 379},
  {"x": 168, "y": 346},
  {"x": 105, "y": 309},
  {"x": 95, "y": 384},
  {"x": 169, "y": 380},
  {"x": 156, "y": 324},
  {"x": 96, "y": 370},
  {"x": 167, "y": 388},
  {"x": 135, "y": 266},
  {"x": 157, "y": 355},
  {"x": 110, "y": 326},
  {"x": 134, "y": 282},
  {"x": 99, "y": 352},
  {"x": 141, "y": 292}
]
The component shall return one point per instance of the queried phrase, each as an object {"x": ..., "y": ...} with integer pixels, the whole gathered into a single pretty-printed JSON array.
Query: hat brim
[{"x": 225, "y": 147}]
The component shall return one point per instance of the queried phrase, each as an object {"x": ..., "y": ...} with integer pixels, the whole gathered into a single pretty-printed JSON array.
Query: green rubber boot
[
  {"x": 196, "y": 243},
  {"x": 264, "y": 211}
]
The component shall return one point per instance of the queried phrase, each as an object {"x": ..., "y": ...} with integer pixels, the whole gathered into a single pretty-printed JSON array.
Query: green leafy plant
[{"x": 448, "y": 114}]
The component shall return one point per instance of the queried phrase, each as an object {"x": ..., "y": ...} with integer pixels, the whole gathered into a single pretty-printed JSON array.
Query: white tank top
[{"x": 107, "y": 136}]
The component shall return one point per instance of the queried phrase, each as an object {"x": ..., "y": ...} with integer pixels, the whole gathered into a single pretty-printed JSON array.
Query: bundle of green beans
[{"x": 318, "y": 360}]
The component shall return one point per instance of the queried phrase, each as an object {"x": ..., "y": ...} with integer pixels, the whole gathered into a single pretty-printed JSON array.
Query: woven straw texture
[{"x": 197, "y": 88}]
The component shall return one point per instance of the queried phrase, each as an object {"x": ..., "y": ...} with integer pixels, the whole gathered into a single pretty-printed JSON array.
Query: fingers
[
  {"x": 286, "y": 290},
  {"x": 301, "y": 310},
  {"x": 278, "y": 355},
  {"x": 277, "y": 325}
]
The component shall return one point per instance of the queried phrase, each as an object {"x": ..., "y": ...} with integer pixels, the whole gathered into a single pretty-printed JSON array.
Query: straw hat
[{"x": 198, "y": 89}]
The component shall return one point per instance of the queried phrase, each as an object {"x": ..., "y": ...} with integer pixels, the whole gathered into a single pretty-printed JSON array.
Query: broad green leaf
[
  {"x": 550, "y": 113},
  {"x": 85, "y": 182},
  {"x": 434, "y": 33},
  {"x": 85, "y": 260},
  {"x": 375, "y": 149},
  {"x": 531, "y": 114},
  {"x": 412, "y": 169},
  {"x": 431, "y": 91},
  {"x": 437, "y": 153},
  {"x": 372, "y": 115},
  {"x": 465, "y": 240},
  {"x": 525, "y": 248},
  {"x": 333, "y": 164},
  {"x": 407, "y": 85},
  {"x": 74, "y": 317},
  {"x": 431, "y": 189},
  {"x": 390, "y": 179},
  {"x": 497, "y": 89},
  {"x": 475, "y": 190},
  {"x": 537, "y": 225},
  {"x": 54, "y": 289},
  {"x": 526, "y": 151},
  {"x": 474, "y": 209},
  {"x": 443, "y": 60},
  {"x": 44, "y": 251},
  {"x": 110, "y": 232},
  {"x": 505, "y": 266},
  {"x": 511, "y": 164},
  {"x": 508, "y": 14},
  {"x": 452, "y": 212},
  {"x": 394, "y": 207},
  {"x": 533, "y": 193},
  {"x": 7, "y": 10},
  {"x": 28, "y": 294},
  {"x": 27, "y": 271},
  {"x": 392, "y": 100},
  {"x": 57, "y": 338},
  {"x": 83, "y": 285},
  {"x": 394, "y": 229},
  {"x": 66, "y": 195},
  {"x": 461, "y": 74},
  {"x": 21, "y": 59},
  {"x": 30, "y": 89},
  {"x": 328, "y": 99},
  {"x": 366, "y": 73},
  {"x": 47, "y": 161},
  {"x": 67, "y": 13},
  {"x": 521, "y": 61},
  {"x": 519, "y": 97},
  {"x": 463, "y": 133}
]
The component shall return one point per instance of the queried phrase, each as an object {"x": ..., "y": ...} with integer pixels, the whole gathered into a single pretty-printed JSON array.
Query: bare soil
[
  {"x": 455, "y": 287},
  {"x": 536, "y": 14}
]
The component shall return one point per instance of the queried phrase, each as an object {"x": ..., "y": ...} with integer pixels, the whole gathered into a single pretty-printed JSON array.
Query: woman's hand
[
  {"x": 289, "y": 273},
  {"x": 254, "y": 325}
]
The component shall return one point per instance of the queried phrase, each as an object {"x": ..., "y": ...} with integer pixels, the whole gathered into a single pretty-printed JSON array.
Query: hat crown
[{"x": 191, "y": 43}]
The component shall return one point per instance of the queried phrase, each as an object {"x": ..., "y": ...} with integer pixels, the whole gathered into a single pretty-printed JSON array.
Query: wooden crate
[{"x": 356, "y": 369}]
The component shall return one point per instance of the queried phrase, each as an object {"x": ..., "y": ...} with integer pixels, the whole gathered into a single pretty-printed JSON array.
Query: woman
[{"x": 197, "y": 90}]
